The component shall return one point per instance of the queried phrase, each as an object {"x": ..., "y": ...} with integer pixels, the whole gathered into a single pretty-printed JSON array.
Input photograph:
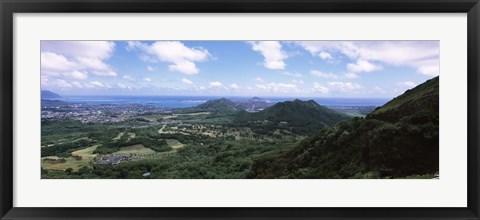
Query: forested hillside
[
  {"x": 300, "y": 116},
  {"x": 399, "y": 139}
]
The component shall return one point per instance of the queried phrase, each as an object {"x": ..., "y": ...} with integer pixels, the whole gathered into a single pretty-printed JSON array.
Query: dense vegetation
[
  {"x": 221, "y": 106},
  {"x": 294, "y": 139},
  {"x": 65, "y": 148},
  {"x": 215, "y": 159},
  {"x": 156, "y": 144},
  {"x": 392, "y": 142}
]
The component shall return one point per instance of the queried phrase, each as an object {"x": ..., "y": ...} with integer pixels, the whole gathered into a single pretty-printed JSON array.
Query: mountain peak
[
  {"x": 424, "y": 95},
  {"x": 222, "y": 105},
  {"x": 306, "y": 116},
  {"x": 398, "y": 140},
  {"x": 45, "y": 94}
]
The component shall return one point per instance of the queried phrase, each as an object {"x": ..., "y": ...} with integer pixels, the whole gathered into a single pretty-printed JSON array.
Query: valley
[{"x": 251, "y": 138}]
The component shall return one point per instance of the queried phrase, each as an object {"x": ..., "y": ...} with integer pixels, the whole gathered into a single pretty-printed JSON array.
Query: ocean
[{"x": 189, "y": 101}]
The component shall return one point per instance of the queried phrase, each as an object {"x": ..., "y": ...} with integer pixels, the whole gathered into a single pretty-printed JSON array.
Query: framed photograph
[{"x": 228, "y": 109}]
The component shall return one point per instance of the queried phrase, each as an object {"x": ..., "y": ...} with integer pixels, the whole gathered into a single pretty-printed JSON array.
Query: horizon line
[{"x": 219, "y": 96}]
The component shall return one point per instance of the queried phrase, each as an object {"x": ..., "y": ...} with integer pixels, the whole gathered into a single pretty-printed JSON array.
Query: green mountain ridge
[
  {"x": 424, "y": 97},
  {"x": 397, "y": 140},
  {"x": 220, "y": 105},
  {"x": 299, "y": 117},
  {"x": 303, "y": 116}
]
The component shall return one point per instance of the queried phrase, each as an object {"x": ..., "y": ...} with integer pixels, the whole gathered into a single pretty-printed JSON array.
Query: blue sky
[{"x": 362, "y": 69}]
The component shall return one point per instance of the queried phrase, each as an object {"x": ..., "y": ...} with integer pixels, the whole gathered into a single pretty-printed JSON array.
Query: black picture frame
[{"x": 9, "y": 7}]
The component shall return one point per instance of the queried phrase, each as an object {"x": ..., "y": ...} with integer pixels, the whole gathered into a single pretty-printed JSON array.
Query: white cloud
[
  {"x": 44, "y": 80},
  {"x": 277, "y": 87},
  {"x": 147, "y": 58},
  {"x": 186, "y": 81},
  {"x": 323, "y": 74},
  {"x": 63, "y": 84},
  {"x": 181, "y": 57},
  {"x": 324, "y": 55},
  {"x": 362, "y": 66},
  {"x": 428, "y": 70},
  {"x": 150, "y": 68},
  {"x": 52, "y": 62},
  {"x": 258, "y": 79},
  {"x": 124, "y": 86},
  {"x": 423, "y": 56},
  {"x": 148, "y": 79},
  {"x": 132, "y": 45},
  {"x": 377, "y": 89},
  {"x": 320, "y": 89},
  {"x": 97, "y": 84},
  {"x": 70, "y": 56},
  {"x": 86, "y": 49},
  {"x": 295, "y": 74},
  {"x": 186, "y": 67},
  {"x": 344, "y": 86},
  {"x": 215, "y": 84},
  {"x": 128, "y": 77},
  {"x": 429, "y": 67},
  {"x": 234, "y": 86},
  {"x": 77, "y": 84},
  {"x": 337, "y": 87},
  {"x": 408, "y": 84},
  {"x": 315, "y": 47},
  {"x": 121, "y": 86},
  {"x": 78, "y": 75},
  {"x": 272, "y": 53},
  {"x": 93, "y": 63},
  {"x": 351, "y": 75},
  {"x": 348, "y": 48},
  {"x": 66, "y": 85},
  {"x": 69, "y": 74},
  {"x": 105, "y": 73},
  {"x": 298, "y": 81}
]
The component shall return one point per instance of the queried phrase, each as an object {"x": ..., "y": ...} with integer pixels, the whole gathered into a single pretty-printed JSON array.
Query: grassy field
[
  {"x": 135, "y": 149},
  {"x": 140, "y": 152},
  {"x": 86, "y": 154},
  {"x": 131, "y": 135},
  {"x": 191, "y": 124},
  {"x": 175, "y": 144},
  {"x": 119, "y": 136}
]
